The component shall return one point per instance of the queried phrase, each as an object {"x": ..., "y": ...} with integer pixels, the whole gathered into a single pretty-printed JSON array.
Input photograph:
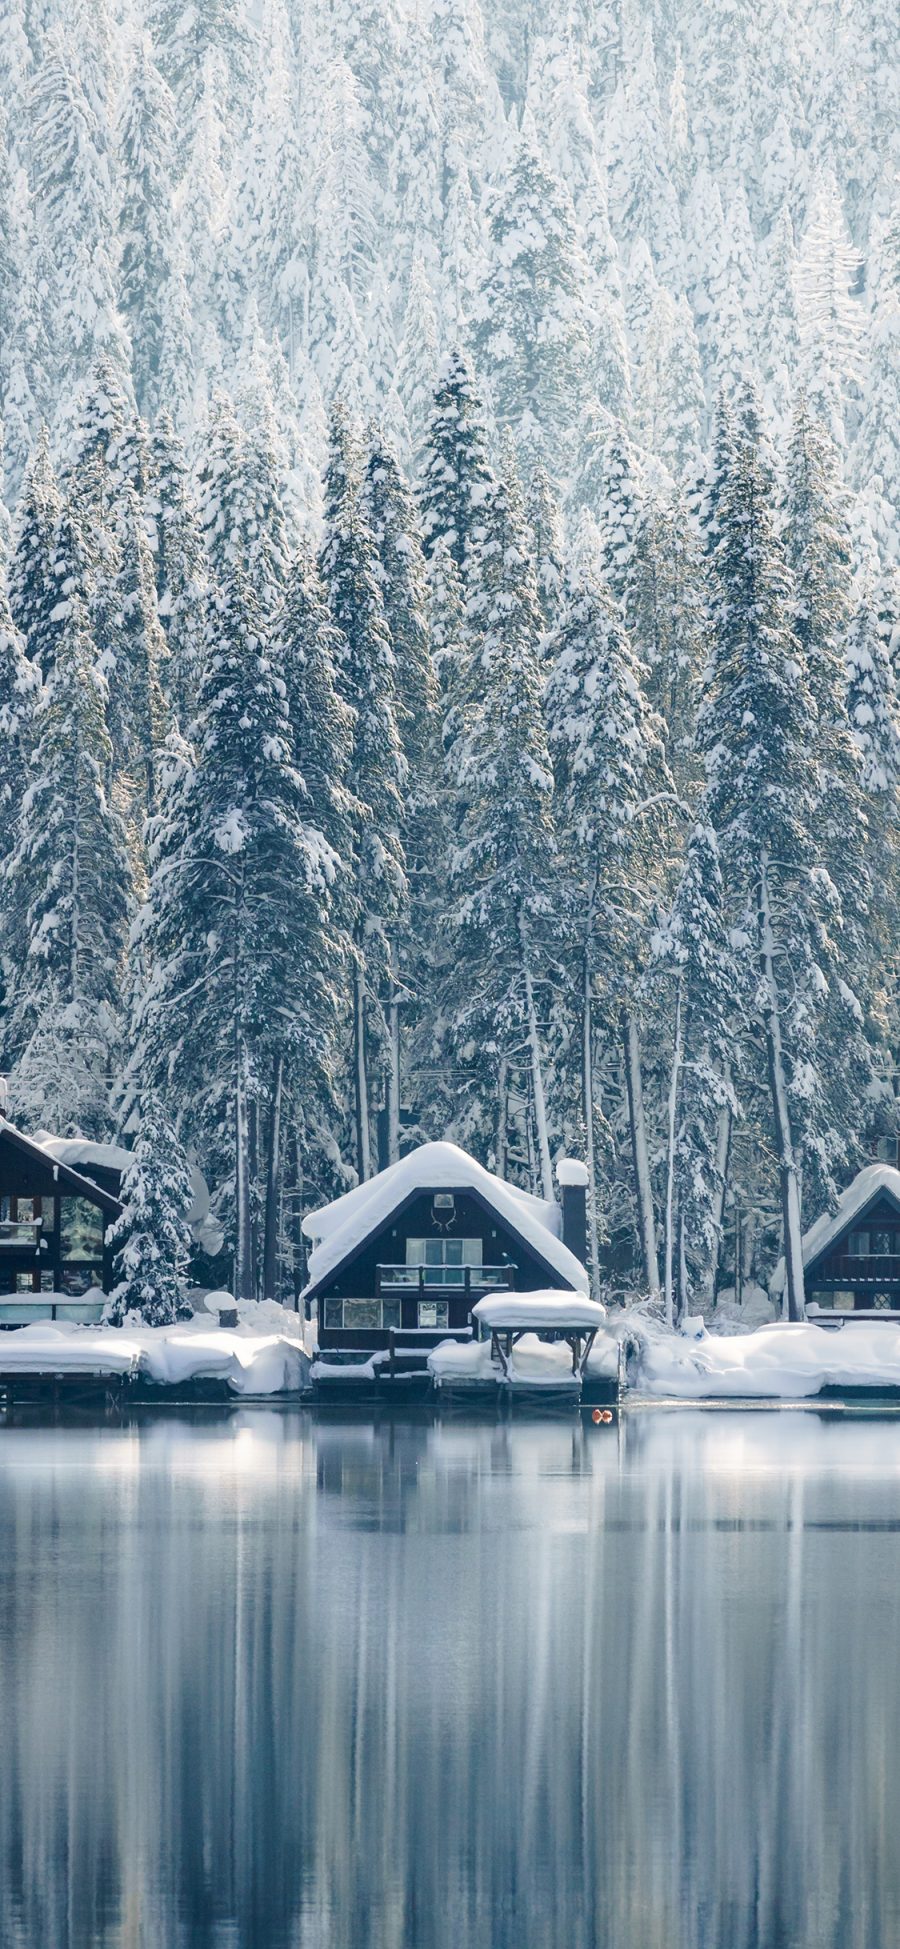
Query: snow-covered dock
[
  {"x": 515, "y": 1363},
  {"x": 246, "y": 1360},
  {"x": 779, "y": 1362}
]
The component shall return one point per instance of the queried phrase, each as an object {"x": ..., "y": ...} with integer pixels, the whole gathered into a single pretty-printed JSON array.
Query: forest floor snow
[{"x": 251, "y": 1357}]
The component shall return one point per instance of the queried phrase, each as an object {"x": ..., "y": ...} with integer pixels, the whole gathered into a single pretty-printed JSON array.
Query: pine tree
[
  {"x": 151, "y": 1237},
  {"x": 132, "y": 661},
  {"x": 502, "y": 867},
  {"x": 65, "y": 905},
  {"x": 531, "y": 321},
  {"x": 33, "y": 591},
  {"x": 761, "y": 730},
  {"x": 611, "y": 779},
  {"x": 378, "y": 770},
  {"x": 182, "y": 574},
  {"x": 20, "y": 683},
  {"x": 544, "y": 523},
  {"x": 692, "y": 948},
  {"x": 152, "y": 286},
  {"x": 418, "y": 360},
  {"x": 242, "y": 894},
  {"x": 457, "y": 478}
]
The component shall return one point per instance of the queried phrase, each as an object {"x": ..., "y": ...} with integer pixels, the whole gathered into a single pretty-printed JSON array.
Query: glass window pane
[
  {"x": 415, "y": 1251},
  {"x": 362, "y": 1313},
  {"x": 882, "y": 1243},
  {"x": 25, "y": 1211},
  {"x": 859, "y": 1245},
  {"x": 390, "y": 1313},
  {"x": 434, "y": 1251},
  {"x": 24, "y": 1282},
  {"x": 79, "y": 1279},
  {"x": 453, "y": 1251},
  {"x": 81, "y": 1229},
  {"x": 334, "y": 1313},
  {"x": 48, "y": 1214}
]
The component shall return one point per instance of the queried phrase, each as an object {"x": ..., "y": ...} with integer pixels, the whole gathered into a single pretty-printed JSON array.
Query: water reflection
[{"x": 289, "y": 1683}]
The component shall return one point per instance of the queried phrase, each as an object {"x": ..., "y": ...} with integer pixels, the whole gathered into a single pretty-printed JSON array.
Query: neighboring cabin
[
  {"x": 851, "y": 1256},
  {"x": 58, "y": 1198},
  {"x": 408, "y": 1253}
]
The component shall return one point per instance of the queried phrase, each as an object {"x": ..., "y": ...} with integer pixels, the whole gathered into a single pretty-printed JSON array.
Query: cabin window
[
  {"x": 365, "y": 1315},
  {"x": 433, "y": 1312},
  {"x": 882, "y": 1244},
  {"x": 17, "y": 1221},
  {"x": 24, "y": 1282},
  {"x": 859, "y": 1245},
  {"x": 445, "y": 1259},
  {"x": 78, "y": 1279},
  {"x": 81, "y": 1229}
]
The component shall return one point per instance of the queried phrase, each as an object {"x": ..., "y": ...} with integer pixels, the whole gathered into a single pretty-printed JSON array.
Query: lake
[{"x": 273, "y": 1681}]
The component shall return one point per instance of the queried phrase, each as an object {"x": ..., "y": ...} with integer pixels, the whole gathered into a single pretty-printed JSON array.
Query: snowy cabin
[
  {"x": 58, "y": 1197},
  {"x": 409, "y": 1253},
  {"x": 851, "y": 1256}
]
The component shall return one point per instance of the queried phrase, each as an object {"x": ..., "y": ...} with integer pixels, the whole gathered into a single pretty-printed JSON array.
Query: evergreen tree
[
  {"x": 152, "y": 287},
  {"x": 151, "y": 1237},
  {"x": 457, "y": 478},
  {"x": 378, "y": 769},
  {"x": 544, "y": 524},
  {"x": 611, "y": 778},
  {"x": 182, "y": 575},
  {"x": 530, "y": 321},
  {"x": 502, "y": 867},
  {"x": 65, "y": 905},
  {"x": 33, "y": 591}
]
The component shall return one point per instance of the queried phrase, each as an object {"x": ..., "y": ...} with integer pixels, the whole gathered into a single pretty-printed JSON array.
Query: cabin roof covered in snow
[
  {"x": 68, "y": 1177},
  {"x": 82, "y": 1152},
  {"x": 868, "y": 1185},
  {"x": 339, "y": 1229}
]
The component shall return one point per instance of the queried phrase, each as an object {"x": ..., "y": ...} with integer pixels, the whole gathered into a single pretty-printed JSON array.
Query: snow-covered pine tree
[
  {"x": 152, "y": 288},
  {"x": 66, "y": 896},
  {"x": 760, "y": 729},
  {"x": 20, "y": 682},
  {"x": 617, "y": 507},
  {"x": 544, "y": 522},
  {"x": 151, "y": 1237},
  {"x": 242, "y": 890},
  {"x": 181, "y": 568},
  {"x": 502, "y": 914},
  {"x": 612, "y": 783},
  {"x": 132, "y": 661},
  {"x": 367, "y": 677},
  {"x": 33, "y": 592},
  {"x": 417, "y": 361},
  {"x": 457, "y": 477},
  {"x": 530, "y": 322},
  {"x": 693, "y": 949}
]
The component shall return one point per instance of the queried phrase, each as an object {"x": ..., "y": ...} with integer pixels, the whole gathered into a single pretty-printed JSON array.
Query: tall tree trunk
[
  {"x": 723, "y": 1148},
  {"x": 253, "y": 1169},
  {"x": 502, "y": 1113},
  {"x": 363, "y": 1137},
  {"x": 243, "y": 1255},
  {"x": 587, "y": 1097},
  {"x": 794, "y": 1293},
  {"x": 273, "y": 1187},
  {"x": 640, "y": 1156},
  {"x": 674, "y": 1084},
  {"x": 537, "y": 1073},
  {"x": 393, "y": 1078}
]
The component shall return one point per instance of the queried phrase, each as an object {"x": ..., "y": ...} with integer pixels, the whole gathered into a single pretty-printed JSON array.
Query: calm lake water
[{"x": 273, "y": 1682}]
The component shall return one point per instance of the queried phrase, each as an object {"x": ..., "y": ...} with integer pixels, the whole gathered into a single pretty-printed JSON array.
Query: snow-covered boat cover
[
  {"x": 532, "y": 1311},
  {"x": 339, "y": 1228},
  {"x": 787, "y": 1362},
  {"x": 867, "y": 1184}
]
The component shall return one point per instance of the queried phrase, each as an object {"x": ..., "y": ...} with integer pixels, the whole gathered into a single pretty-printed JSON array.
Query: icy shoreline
[{"x": 780, "y": 1361}]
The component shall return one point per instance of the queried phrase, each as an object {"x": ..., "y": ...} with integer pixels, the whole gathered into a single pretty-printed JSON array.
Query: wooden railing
[
  {"x": 876, "y": 1269},
  {"x": 443, "y": 1279}
]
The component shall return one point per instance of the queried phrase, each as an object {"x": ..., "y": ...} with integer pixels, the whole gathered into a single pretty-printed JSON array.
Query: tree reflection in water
[{"x": 286, "y": 1683}]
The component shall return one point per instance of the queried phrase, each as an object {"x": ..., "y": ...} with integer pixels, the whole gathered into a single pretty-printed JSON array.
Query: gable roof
[
  {"x": 869, "y": 1184},
  {"x": 341, "y": 1228},
  {"x": 66, "y": 1178}
]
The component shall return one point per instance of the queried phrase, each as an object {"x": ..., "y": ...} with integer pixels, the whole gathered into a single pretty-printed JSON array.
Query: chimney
[{"x": 572, "y": 1178}]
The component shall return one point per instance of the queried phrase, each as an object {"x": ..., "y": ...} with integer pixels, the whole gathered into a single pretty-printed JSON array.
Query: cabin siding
[{"x": 50, "y": 1255}]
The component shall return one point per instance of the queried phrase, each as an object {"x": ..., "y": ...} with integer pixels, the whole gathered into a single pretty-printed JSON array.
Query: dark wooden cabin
[
  {"x": 53, "y": 1221},
  {"x": 856, "y": 1268},
  {"x": 413, "y": 1275}
]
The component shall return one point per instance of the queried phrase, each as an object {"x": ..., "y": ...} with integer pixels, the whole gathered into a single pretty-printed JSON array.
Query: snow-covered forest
[{"x": 450, "y": 553}]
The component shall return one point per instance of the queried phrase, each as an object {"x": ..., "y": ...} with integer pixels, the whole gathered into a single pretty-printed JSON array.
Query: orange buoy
[
  {"x": 602, "y": 1414},
  {"x": 596, "y": 1416}
]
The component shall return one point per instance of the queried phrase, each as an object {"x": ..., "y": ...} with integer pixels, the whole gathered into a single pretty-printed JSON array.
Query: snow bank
[
  {"x": 543, "y": 1309},
  {"x": 339, "y": 1228},
  {"x": 779, "y": 1362},
  {"x": 251, "y": 1362},
  {"x": 534, "y": 1362}
]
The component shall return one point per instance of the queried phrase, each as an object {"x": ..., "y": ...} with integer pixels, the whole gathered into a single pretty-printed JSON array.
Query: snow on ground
[
  {"x": 782, "y": 1361},
  {"x": 252, "y": 1357}
]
